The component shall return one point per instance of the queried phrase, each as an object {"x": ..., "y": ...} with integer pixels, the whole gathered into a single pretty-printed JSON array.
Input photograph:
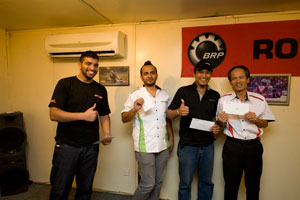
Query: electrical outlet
[{"x": 126, "y": 172}]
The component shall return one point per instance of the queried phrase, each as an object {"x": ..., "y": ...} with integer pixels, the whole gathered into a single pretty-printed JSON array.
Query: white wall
[
  {"x": 4, "y": 91},
  {"x": 33, "y": 77}
]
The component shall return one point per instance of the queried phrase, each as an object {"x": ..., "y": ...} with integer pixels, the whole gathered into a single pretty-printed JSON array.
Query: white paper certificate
[
  {"x": 235, "y": 108},
  {"x": 201, "y": 124},
  {"x": 147, "y": 100}
]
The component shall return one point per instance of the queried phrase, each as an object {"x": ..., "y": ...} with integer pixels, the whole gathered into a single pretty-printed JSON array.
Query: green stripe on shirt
[
  {"x": 167, "y": 140},
  {"x": 142, "y": 143}
]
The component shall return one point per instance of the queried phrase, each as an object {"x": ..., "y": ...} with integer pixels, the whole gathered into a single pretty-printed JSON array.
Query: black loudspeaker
[{"x": 13, "y": 172}]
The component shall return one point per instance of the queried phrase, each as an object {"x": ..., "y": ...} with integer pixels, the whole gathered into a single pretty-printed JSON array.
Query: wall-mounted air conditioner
[{"x": 108, "y": 44}]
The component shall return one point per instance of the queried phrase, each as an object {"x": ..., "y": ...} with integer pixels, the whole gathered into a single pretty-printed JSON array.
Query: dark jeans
[
  {"x": 193, "y": 158},
  {"x": 239, "y": 156},
  {"x": 69, "y": 161}
]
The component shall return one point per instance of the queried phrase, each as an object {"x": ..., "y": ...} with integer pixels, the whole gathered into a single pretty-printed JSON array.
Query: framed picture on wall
[
  {"x": 114, "y": 75},
  {"x": 274, "y": 87}
]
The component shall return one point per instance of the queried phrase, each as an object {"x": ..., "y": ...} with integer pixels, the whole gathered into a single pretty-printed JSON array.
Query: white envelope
[
  {"x": 201, "y": 124},
  {"x": 147, "y": 100},
  {"x": 235, "y": 108}
]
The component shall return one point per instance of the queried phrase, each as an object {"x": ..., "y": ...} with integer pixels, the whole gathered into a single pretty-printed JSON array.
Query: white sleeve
[
  {"x": 219, "y": 108},
  {"x": 169, "y": 100},
  {"x": 128, "y": 105},
  {"x": 267, "y": 113}
]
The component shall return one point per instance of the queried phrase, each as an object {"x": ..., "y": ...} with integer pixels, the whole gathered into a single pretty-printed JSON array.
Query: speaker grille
[
  {"x": 14, "y": 178},
  {"x": 11, "y": 138}
]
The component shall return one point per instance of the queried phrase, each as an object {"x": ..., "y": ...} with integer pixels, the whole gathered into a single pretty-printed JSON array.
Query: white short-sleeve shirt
[
  {"x": 237, "y": 126},
  {"x": 149, "y": 128}
]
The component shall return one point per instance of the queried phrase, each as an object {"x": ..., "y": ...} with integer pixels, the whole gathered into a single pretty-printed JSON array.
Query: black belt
[{"x": 252, "y": 141}]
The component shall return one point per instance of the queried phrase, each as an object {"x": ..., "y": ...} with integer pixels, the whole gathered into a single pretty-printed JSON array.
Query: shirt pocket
[{"x": 163, "y": 105}]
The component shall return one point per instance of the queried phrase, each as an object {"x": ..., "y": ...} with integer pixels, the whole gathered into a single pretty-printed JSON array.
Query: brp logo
[{"x": 207, "y": 46}]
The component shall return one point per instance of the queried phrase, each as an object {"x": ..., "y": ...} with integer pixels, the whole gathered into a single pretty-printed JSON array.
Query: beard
[
  {"x": 87, "y": 76},
  {"x": 149, "y": 84}
]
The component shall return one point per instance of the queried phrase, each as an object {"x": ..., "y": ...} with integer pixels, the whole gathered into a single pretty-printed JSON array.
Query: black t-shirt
[
  {"x": 72, "y": 95},
  {"x": 204, "y": 109}
]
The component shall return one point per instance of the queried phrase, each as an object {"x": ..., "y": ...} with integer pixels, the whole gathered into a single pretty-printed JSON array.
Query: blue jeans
[
  {"x": 192, "y": 158},
  {"x": 69, "y": 161}
]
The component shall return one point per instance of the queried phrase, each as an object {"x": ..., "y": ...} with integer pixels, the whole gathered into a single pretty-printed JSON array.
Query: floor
[{"x": 39, "y": 191}]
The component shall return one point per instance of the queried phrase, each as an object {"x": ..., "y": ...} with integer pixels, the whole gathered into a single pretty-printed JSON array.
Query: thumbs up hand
[
  {"x": 183, "y": 110},
  {"x": 90, "y": 114}
]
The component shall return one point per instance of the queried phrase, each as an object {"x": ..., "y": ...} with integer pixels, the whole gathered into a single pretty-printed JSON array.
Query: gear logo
[{"x": 207, "y": 46}]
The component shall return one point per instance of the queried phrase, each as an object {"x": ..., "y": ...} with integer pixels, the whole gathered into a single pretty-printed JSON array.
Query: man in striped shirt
[{"x": 242, "y": 151}]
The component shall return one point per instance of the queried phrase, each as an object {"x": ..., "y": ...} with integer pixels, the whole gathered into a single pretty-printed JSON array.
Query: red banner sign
[{"x": 265, "y": 48}]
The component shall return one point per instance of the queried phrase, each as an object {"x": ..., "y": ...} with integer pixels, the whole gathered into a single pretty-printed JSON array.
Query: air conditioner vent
[{"x": 106, "y": 44}]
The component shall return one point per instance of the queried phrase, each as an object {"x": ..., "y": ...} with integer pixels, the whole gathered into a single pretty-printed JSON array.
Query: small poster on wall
[
  {"x": 274, "y": 87},
  {"x": 114, "y": 75}
]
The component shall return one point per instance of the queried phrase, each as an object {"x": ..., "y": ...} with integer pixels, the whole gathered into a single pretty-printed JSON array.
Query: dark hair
[
  {"x": 148, "y": 62},
  {"x": 203, "y": 64},
  {"x": 246, "y": 70},
  {"x": 88, "y": 54}
]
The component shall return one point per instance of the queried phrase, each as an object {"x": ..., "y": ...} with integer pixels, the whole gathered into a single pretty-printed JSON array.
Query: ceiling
[{"x": 37, "y": 14}]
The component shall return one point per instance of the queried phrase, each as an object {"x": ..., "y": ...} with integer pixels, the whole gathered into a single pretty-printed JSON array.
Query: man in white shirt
[
  {"x": 152, "y": 132},
  {"x": 242, "y": 151}
]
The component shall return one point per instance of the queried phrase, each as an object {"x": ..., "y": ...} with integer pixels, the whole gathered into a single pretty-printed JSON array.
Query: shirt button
[
  {"x": 157, "y": 119},
  {"x": 243, "y": 129},
  {"x": 243, "y": 120}
]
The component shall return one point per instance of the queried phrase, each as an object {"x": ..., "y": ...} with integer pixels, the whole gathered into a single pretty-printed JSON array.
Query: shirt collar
[
  {"x": 234, "y": 96},
  {"x": 155, "y": 86},
  {"x": 157, "y": 91},
  {"x": 195, "y": 86}
]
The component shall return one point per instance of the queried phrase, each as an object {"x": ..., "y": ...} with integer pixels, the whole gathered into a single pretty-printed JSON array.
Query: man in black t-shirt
[
  {"x": 78, "y": 105},
  {"x": 196, "y": 150}
]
